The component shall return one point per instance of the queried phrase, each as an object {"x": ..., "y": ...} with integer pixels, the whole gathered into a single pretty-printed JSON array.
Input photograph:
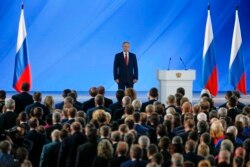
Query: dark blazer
[
  {"x": 7, "y": 120},
  {"x": 117, "y": 161},
  {"x": 38, "y": 140},
  {"x": 193, "y": 158},
  {"x": 125, "y": 74},
  {"x": 68, "y": 149},
  {"x": 29, "y": 109},
  {"x": 86, "y": 153},
  {"x": 49, "y": 154},
  {"x": 232, "y": 113},
  {"x": 50, "y": 129},
  {"x": 136, "y": 163},
  {"x": 100, "y": 162},
  {"x": 118, "y": 114},
  {"x": 22, "y": 100},
  {"x": 144, "y": 105},
  {"x": 115, "y": 106},
  {"x": 92, "y": 110},
  {"x": 77, "y": 105},
  {"x": 59, "y": 105},
  {"x": 88, "y": 104},
  {"x": 107, "y": 102}
]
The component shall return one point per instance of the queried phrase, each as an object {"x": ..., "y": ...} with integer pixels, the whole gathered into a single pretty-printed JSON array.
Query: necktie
[{"x": 126, "y": 58}]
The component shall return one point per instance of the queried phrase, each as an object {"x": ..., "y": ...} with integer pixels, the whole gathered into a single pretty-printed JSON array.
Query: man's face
[{"x": 126, "y": 47}]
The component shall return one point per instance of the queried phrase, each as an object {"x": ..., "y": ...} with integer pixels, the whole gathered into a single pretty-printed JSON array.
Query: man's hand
[
  {"x": 117, "y": 80},
  {"x": 135, "y": 80}
]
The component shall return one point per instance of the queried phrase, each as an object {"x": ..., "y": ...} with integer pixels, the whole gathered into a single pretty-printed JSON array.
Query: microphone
[
  {"x": 169, "y": 62},
  {"x": 183, "y": 63}
]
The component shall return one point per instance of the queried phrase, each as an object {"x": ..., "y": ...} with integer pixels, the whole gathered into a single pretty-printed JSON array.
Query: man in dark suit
[
  {"x": 38, "y": 140},
  {"x": 190, "y": 155},
  {"x": 126, "y": 100},
  {"x": 99, "y": 102},
  {"x": 91, "y": 102},
  {"x": 87, "y": 152},
  {"x": 68, "y": 149},
  {"x": 37, "y": 97},
  {"x": 117, "y": 105},
  {"x": 107, "y": 101},
  {"x": 2, "y": 100},
  {"x": 50, "y": 151},
  {"x": 152, "y": 97},
  {"x": 121, "y": 150},
  {"x": 8, "y": 118},
  {"x": 125, "y": 68},
  {"x": 56, "y": 119},
  {"x": 233, "y": 111},
  {"x": 135, "y": 158},
  {"x": 64, "y": 95},
  {"x": 23, "y": 99}
]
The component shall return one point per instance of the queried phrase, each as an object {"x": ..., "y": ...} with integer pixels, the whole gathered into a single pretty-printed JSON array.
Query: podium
[{"x": 170, "y": 80}]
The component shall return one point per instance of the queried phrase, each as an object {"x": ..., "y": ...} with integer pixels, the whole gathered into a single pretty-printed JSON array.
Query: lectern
[{"x": 170, "y": 80}]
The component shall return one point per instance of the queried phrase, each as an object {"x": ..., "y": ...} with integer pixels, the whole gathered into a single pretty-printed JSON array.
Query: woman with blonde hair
[
  {"x": 104, "y": 154},
  {"x": 203, "y": 150},
  {"x": 204, "y": 163},
  {"x": 49, "y": 103},
  {"x": 216, "y": 132},
  {"x": 131, "y": 93}
]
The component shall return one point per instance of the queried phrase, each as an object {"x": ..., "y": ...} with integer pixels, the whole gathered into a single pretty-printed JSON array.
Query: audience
[{"x": 125, "y": 133}]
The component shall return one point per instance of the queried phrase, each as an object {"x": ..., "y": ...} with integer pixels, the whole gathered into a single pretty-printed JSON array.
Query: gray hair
[
  {"x": 126, "y": 100},
  {"x": 222, "y": 112},
  {"x": 202, "y": 117},
  {"x": 233, "y": 130},
  {"x": 227, "y": 145},
  {"x": 55, "y": 135},
  {"x": 171, "y": 110},
  {"x": 137, "y": 104},
  {"x": 177, "y": 140},
  {"x": 56, "y": 117},
  {"x": 10, "y": 103},
  {"x": 177, "y": 159},
  {"x": 144, "y": 141}
]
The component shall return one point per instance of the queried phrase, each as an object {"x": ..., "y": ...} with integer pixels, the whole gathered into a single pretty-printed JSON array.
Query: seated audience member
[
  {"x": 177, "y": 160},
  {"x": 8, "y": 118},
  {"x": 117, "y": 105},
  {"x": 37, "y": 97},
  {"x": 126, "y": 100},
  {"x": 91, "y": 102},
  {"x": 64, "y": 95},
  {"x": 121, "y": 151},
  {"x": 56, "y": 119},
  {"x": 99, "y": 103},
  {"x": 107, "y": 101},
  {"x": 137, "y": 105},
  {"x": 2, "y": 100},
  {"x": 23, "y": 99},
  {"x": 152, "y": 97},
  {"x": 51, "y": 150}
]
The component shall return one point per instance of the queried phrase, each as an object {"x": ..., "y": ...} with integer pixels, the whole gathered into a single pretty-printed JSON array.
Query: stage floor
[{"x": 142, "y": 95}]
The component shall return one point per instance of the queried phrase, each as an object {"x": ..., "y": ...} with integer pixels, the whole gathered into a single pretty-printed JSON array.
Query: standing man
[{"x": 125, "y": 68}]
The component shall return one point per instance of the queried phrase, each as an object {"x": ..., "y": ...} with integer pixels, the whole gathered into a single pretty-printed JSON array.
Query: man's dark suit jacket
[
  {"x": 115, "y": 106},
  {"x": 118, "y": 114},
  {"x": 49, "y": 154},
  {"x": 22, "y": 100},
  {"x": 38, "y": 140},
  {"x": 135, "y": 163},
  {"x": 92, "y": 110},
  {"x": 29, "y": 109},
  {"x": 117, "y": 161},
  {"x": 86, "y": 153},
  {"x": 144, "y": 105},
  {"x": 107, "y": 102},
  {"x": 88, "y": 104},
  {"x": 50, "y": 129},
  {"x": 68, "y": 149},
  {"x": 77, "y": 105},
  {"x": 125, "y": 74},
  {"x": 193, "y": 158},
  {"x": 7, "y": 120}
]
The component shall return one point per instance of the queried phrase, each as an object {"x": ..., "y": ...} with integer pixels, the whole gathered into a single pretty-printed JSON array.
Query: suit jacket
[
  {"x": 115, "y": 106},
  {"x": 232, "y": 113},
  {"x": 100, "y": 162},
  {"x": 117, "y": 161},
  {"x": 49, "y": 154},
  {"x": 141, "y": 130},
  {"x": 86, "y": 153},
  {"x": 144, "y": 105},
  {"x": 193, "y": 158},
  {"x": 7, "y": 120},
  {"x": 118, "y": 114},
  {"x": 68, "y": 149},
  {"x": 125, "y": 74},
  {"x": 50, "y": 129},
  {"x": 135, "y": 163},
  {"x": 77, "y": 105},
  {"x": 22, "y": 100},
  {"x": 38, "y": 140},
  {"x": 29, "y": 109},
  {"x": 88, "y": 104},
  {"x": 92, "y": 110},
  {"x": 107, "y": 102},
  {"x": 59, "y": 105}
]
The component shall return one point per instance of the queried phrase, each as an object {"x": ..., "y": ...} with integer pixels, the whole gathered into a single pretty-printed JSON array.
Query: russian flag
[
  {"x": 237, "y": 73},
  {"x": 209, "y": 68},
  {"x": 22, "y": 72}
]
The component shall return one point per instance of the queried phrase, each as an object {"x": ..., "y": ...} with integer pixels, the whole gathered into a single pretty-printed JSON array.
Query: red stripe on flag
[
  {"x": 25, "y": 77},
  {"x": 242, "y": 84},
  {"x": 212, "y": 83}
]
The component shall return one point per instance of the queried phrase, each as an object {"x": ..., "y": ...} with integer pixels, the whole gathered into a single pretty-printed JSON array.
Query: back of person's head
[
  {"x": 23, "y": 116},
  {"x": 164, "y": 143},
  {"x": 159, "y": 109},
  {"x": 181, "y": 91},
  {"x": 123, "y": 128},
  {"x": 177, "y": 160},
  {"x": 73, "y": 95},
  {"x": 122, "y": 148},
  {"x": 25, "y": 87},
  {"x": 91, "y": 132},
  {"x": 177, "y": 140},
  {"x": 153, "y": 92},
  {"x": 10, "y": 104},
  {"x": 228, "y": 94},
  {"x": 240, "y": 152},
  {"x": 232, "y": 102},
  {"x": 37, "y": 96},
  {"x": 171, "y": 100},
  {"x": 238, "y": 162},
  {"x": 137, "y": 104},
  {"x": 105, "y": 149},
  {"x": 37, "y": 112},
  {"x": 202, "y": 126},
  {"x": 149, "y": 109},
  {"x": 5, "y": 146},
  {"x": 76, "y": 127},
  {"x": 65, "y": 92},
  {"x": 203, "y": 150},
  {"x": 224, "y": 156},
  {"x": 115, "y": 136},
  {"x": 105, "y": 131},
  {"x": 33, "y": 123},
  {"x": 202, "y": 117},
  {"x": 129, "y": 109},
  {"x": 131, "y": 93},
  {"x": 21, "y": 154},
  {"x": 93, "y": 91},
  {"x": 126, "y": 100},
  {"x": 2, "y": 94},
  {"x": 144, "y": 141},
  {"x": 236, "y": 93},
  {"x": 135, "y": 152},
  {"x": 101, "y": 90},
  {"x": 188, "y": 164},
  {"x": 119, "y": 95},
  {"x": 129, "y": 138},
  {"x": 213, "y": 114},
  {"x": 222, "y": 112},
  {"x": 99, "y": 100},
  {"x": 56, "y": 117},
  {"x": 55, "y": 135},
  {"x": 186, "y": 107},
  {"x": 246, "y": 144},
  {"x": 205, "y": 105},
  {"x": 233, "y": 130},
  {"x": 190, "y": 146},
  {"x": 204, "y": 163},
  {"x": 152, "y": 149},
  {"x": 227, "y": 145},
  {"x": 72, "y": 112},
  {"x": 136, "y": 117},
  {"x": 157, "y": 158}
]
